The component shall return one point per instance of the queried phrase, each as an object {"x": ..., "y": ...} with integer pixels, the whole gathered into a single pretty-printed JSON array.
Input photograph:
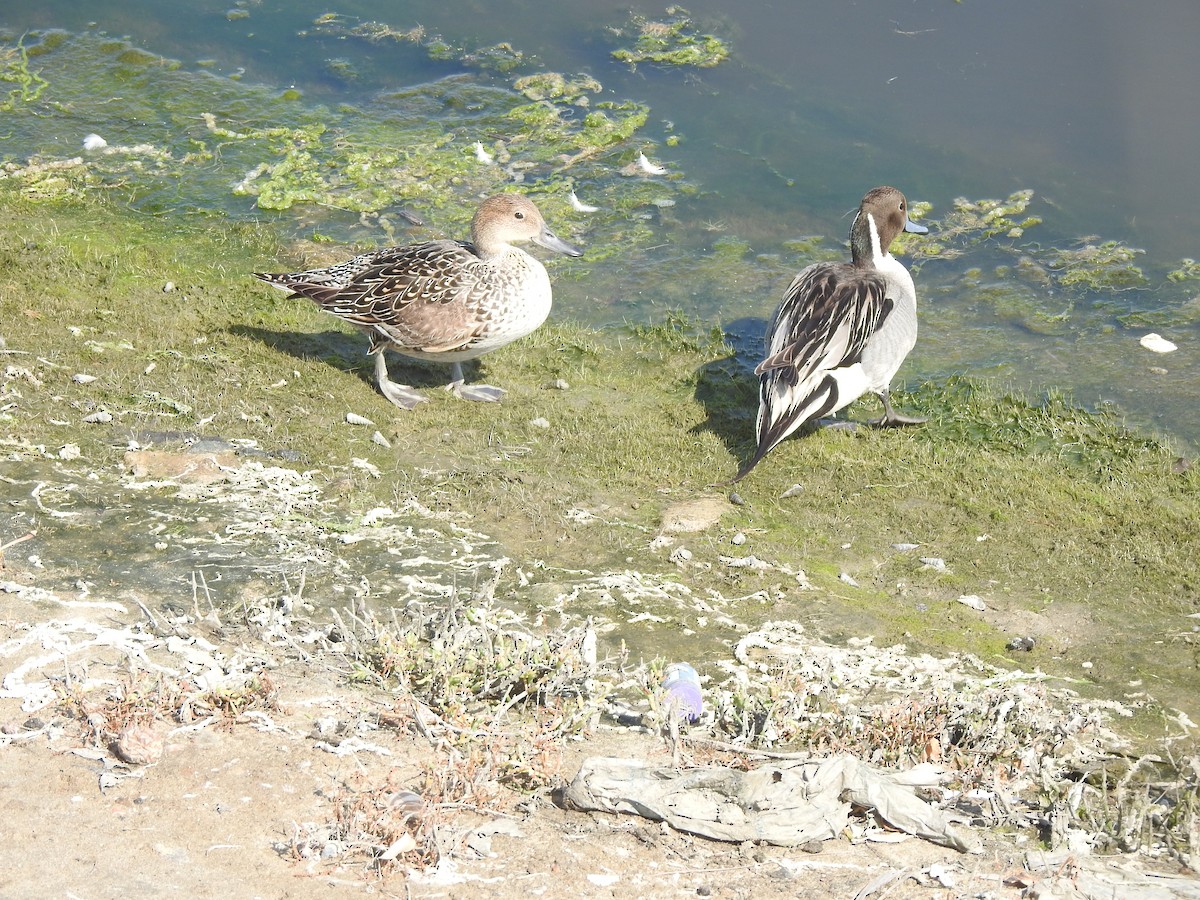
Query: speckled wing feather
[
  {"x": 816, "y": 340},
  {"x": 418, "y": 297}
]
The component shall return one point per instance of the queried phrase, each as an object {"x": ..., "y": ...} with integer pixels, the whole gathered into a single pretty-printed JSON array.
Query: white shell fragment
[
  {"x": 579, "y": 206},
  {"x": 540, "y": 422},
  {"x": 1157, "y": 343},
  {"x": 378, "y": 438},
  {"x": 972, "y": 600},
  {"x": 69, "y": 451},
  {"x": 846, "y": 578},
  {"x": 648, "y": 167},
  {"x": 356, "y": 419},
  {"x": 94, "y": 142},
  {"x": 98, "y": 418},
  {"x": 794, "y": 491},
  {"x": 482, "y": 155},
  {"x": 904, "y": 546},
  {"x": 83, "y": 378},
  {"x": 934, "y": 562}
]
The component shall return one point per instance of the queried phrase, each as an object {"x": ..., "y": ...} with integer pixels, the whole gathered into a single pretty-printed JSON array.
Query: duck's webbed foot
[
  {"x": 893, "y": 419},
  {"x": 399, "y": 394}
]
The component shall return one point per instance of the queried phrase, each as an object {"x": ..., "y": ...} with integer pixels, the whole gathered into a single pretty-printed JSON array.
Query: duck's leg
[
  {"x": 484, "y": 393},
  {"x": 403, "y": 397},
  {"x": 893, "y": 419}
]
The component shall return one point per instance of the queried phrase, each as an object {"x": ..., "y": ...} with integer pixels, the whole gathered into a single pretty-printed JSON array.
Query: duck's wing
[
  {"x": 421, "y": 297},
  {"x": 815, "y": 343}
]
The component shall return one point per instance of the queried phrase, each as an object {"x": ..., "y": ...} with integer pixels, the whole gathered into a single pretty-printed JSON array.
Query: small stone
[
  {"x": 540, "y": 422},
  {"x": 738, "y": 539},
  {"x": 98, "y": 418},
  {"x": 168, "y": 287},
  {"x": 793, "y": 491},
  {"x": 139, "y": 745},
  {"x": 560, "y": 384},
  {"x": 1022, "y": 644}
]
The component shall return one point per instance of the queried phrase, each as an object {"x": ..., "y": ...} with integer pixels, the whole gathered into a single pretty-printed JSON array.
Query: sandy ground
[
  {"x": 223, "y": 811},
  {"x": 230, "y": 805}
]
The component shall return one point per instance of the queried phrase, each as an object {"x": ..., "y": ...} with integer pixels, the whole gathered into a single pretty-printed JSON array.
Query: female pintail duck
[
  {"x": 442, "y": 300},
  {"x": 841, "y": 330}
]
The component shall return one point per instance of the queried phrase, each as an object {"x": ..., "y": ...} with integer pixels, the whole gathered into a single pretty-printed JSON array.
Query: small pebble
[
  {"x": 98, "y": 418},
  {"x": 168, "y": 287},
  {"x": 1023, "y": 644},
  {"x": 139, "y": 745},
  {"x": 738, "y": 539},
  {"x": 680, "y": 555},
  {"x": 560, "y": 384},
  {"x": 792, "y": 491}
]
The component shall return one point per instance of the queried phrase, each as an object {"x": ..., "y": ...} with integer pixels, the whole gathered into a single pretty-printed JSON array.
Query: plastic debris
[
  {"x": 681, "y": 684},
  {"x": 786, "y": 805}
]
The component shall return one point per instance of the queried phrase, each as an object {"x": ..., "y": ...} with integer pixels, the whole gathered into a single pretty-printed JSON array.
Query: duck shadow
[
  {"x": 347, "y": 352},
  {"x": 727, "y": 390}
]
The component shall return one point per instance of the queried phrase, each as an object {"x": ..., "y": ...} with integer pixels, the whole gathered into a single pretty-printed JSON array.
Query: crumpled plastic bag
[{"x": 783, "y": 804}]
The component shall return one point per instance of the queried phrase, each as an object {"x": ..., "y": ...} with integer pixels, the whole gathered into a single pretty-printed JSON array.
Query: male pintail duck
[
  {"x": 842, "y": 329},
  {"x": 442, "y": 300}
]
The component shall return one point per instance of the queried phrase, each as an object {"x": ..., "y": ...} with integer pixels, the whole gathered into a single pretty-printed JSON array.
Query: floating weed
[
  {"x": 26, "y": 86},
  {"x": 1097, "y": 267},
  {"x": 1188, "y": 270},
  {"x": 674, "y": 41},
  {"x": 969, "y": 223}
]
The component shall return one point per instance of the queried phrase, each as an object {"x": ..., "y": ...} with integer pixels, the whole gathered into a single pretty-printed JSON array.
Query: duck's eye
[{"x": 519, "y": 214}]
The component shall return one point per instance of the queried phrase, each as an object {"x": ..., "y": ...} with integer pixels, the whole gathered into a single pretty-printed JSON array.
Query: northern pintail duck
[
  {"x": 442, "y": 300},
  {"x": 842, "y": 329}
]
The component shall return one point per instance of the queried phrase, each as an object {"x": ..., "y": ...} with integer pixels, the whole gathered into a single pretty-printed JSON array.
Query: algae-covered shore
[{"x": 1072, "y": 530}]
